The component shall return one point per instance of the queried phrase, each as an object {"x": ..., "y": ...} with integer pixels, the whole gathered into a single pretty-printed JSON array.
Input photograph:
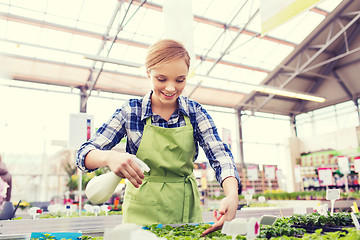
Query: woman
[{"x": 163, "y": 129}]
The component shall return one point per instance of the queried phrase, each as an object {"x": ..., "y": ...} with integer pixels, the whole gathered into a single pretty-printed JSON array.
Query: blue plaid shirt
[{"x": 130, "y": 119}]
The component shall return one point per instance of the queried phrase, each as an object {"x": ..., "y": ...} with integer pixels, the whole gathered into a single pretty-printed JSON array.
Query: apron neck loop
[
  {"x": 148, "y": 120},
  {"x": 186, "y": 118}
]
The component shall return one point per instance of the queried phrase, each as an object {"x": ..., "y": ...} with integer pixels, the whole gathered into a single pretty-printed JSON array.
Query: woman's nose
[{"x": 170, "y": 87}]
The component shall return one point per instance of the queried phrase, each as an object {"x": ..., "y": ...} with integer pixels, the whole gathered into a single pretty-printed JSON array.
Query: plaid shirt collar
[{"x": 147, "y": 112}]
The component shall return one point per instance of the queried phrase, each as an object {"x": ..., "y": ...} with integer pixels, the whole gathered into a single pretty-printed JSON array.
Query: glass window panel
[
  {"x": 25, "y": 12},
  {"x": 277, "y": 55},
  {"x": 96, "y": 13},
  {"x": 220, "y": 11},
  {"x": 328, "y": 5},
  {"x": 227, "y": 121},
  {"x": 47, "y": 118},
  {"x": 3, "y": 27},
  {"x": 145, "y": 39},
  {"x": 150, "y": 23},
  {"x": 346, "y": 115},
  {"x": 265, "y": 154},
  {"x": 4, "y": 7},
  {"x": 21, "y": 50},
  {"x": 298, "y": 28},
  {"x": 248, "y": 10},
  {"x": 22, "y": 32},
  {"x": 55, "y": 39},
  {"x": 205, "y": 35},
  {"x": 102, "y": 109},
  {"x": 256, "y": 129},
  {"x": 304, "y": 129},
  {"x": 128, "y": 53},
  {"x": 77, "y": 59},
  {"x": 324, "y": 112},
  {"x": 60, "y": 20},
  {"x": 84, "y": 44},
  {"x": 221, "y": 71},
  {"x": 348, "y": 120},
  {"x": 255, "y": 24},
  {"x": 345, "y": 107},
  {"x": 200, "y": 7},
  {"x": 262, "y": 50},
  {"x": 69, "y": 9},
  {"x": 256, "y": 77}
]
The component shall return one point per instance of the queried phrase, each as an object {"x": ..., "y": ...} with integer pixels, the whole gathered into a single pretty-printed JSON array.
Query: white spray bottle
[{"x": 100, "y": 188}]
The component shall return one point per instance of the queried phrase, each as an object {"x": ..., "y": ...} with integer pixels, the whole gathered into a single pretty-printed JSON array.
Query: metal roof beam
[
  {"x": 342, "y": 52},
  {"x": 58, "y": 27},
  {"x": 91, "y": 82},
  {"x": 222, "y": 33},
  {"x": 109, "y": 71},
  {"x": 307, "y": 63},
  {"x": 234, "y": 28},
  {"x": 226, "y": 51}
]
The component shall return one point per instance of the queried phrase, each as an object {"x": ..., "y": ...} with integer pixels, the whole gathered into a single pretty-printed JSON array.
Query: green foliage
[
  {"x": 84, "y": 214},
  {"x": 348, "y": 234},
  {"x": 73, "y": 182},
  {"x": 318, "y": 220},
  {"x": 282, "y": 227},
  {"x": 188, "y": 232}
]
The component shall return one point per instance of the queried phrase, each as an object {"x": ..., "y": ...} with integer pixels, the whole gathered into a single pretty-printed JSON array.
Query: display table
[{"x": 95, "y": 226}]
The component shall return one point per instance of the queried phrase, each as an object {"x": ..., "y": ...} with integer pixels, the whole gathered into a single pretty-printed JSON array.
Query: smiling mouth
[{"x": 168, "y": 95}]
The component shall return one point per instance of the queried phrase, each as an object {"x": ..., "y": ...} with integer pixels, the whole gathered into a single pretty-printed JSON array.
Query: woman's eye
[
  {"x": 180, "y": 80},
  {"x": 161, "y": 79}
]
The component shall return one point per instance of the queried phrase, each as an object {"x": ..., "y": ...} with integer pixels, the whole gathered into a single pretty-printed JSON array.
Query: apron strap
[
  {"x": 186, "y": 179},
  {"x": 186, "y": 118}
]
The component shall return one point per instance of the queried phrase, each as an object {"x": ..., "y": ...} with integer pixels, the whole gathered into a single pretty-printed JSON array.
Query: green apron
[{"x": 169, "y": 192}]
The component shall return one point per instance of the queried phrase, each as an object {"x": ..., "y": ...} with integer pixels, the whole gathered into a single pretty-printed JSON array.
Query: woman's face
[{"x": 168, "y": 81}]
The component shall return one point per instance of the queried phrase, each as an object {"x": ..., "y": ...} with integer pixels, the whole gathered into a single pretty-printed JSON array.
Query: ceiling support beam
[
  {"x": 230, "y": 27},
  {"x": 226, "y": 51},
  {"x": 342, "y": 85},
  {"x": 356, "y": 101},
  {"x": 92, "y": 81},
  {"x": 221, "y": 34},
  {"x": 293, "y": 127},
  {"x": 58, "y": 27},
  {"x": 83, "y": 99},
  {"x": 301, "y": 51},
  {"x": 343, "y": 51},
  {"x": 240, "y": 137}
]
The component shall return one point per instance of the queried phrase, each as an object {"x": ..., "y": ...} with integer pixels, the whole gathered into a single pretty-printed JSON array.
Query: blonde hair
[{"x": 164, "y": 51}]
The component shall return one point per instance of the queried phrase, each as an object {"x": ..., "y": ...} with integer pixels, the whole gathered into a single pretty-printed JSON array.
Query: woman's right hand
[{"x": 123, "y": 165}]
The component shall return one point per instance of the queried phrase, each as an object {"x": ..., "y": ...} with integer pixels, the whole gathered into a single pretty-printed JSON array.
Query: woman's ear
[{"x": 148, "y": 73}]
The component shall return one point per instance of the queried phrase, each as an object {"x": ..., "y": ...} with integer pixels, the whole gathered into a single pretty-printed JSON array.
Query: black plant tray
[{"x": 312, "y": 229}]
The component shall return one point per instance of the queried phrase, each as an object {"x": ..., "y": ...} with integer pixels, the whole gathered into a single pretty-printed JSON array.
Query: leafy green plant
[
  {"x": 282, "y": 227},
  {"x": 188, "y": 232},
  {"x": 316, "y": 219}
]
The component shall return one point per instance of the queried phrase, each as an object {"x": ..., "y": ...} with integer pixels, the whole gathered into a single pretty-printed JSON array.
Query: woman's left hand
[{"x": 227, "y": 212}]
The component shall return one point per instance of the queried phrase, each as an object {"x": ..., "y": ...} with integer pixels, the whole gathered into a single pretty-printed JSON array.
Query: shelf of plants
[{"x": 306, "y": 226}]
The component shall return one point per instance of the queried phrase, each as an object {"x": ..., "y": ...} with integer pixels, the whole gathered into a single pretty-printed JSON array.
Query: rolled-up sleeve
[
  {"x": 105, "y": 138},
  {"x": 216, "y": 151}
]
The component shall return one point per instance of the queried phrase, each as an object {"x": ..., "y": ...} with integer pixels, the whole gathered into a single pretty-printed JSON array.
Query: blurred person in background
[{"x": 5, "y": 182}]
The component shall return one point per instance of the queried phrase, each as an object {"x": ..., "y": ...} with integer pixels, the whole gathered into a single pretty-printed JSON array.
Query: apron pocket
[{"x": 139, "y": 212}]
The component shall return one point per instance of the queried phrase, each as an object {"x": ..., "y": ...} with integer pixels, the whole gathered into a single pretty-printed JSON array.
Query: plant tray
[{"x": 312, "y": 229}]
